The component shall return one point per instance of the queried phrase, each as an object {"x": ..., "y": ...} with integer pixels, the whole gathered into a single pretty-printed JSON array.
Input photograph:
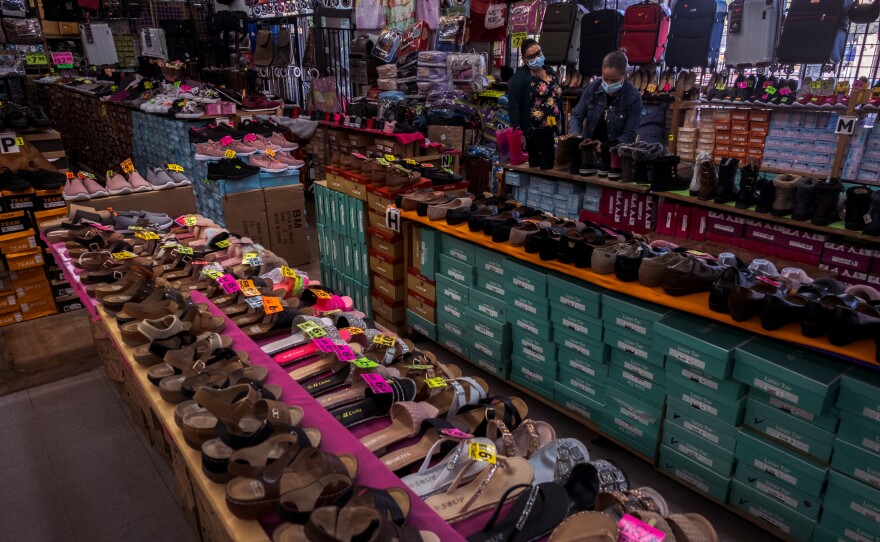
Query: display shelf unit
[{"x": 591, "y": 179}]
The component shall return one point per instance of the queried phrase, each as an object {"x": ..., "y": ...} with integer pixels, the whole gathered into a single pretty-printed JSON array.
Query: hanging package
[
  {"x": 488, "y": 20},
  {"x": 452, "y": 33},
  {"x": 526, "y": 16},
  {"x": 387, "y": 45}
]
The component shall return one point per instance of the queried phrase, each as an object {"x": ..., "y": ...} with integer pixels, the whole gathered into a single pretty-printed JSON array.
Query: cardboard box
[
  {"x": 49, "y": 199},
  {"x": 693, "y": 473},
  {"x": 14, "y": 221},
  {"x": 421, "y": 306},
  {"x": 725, "y": 224},
  {"x": 8, "y": 300},
  {"x": 286, "y": 217},
  {"x": 847, "y": 256},
  {"x": 702, "y": 344},
  {"x": 41, "y": 306},
  {"x": 699, "y": 219},
  {"x": 10, "y": 316},
  {"x": 771, "y": 511},
  {"x": 23, "y": 260},
  {"x": 18, "y": 200},
  {"x": 787, "y": 466},
  {"x": 452, "y": 136},
  {"x": 172, "y": 201},
  {"x": 245, "y": 213},
  {"x": 18, "y": 242},
  {"x": 33, "y": 290}
]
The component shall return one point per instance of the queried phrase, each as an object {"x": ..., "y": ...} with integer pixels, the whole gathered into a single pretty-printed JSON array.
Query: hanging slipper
[
  {"x": 536, "y": 512},
  {"x": 586, "y": 527}
]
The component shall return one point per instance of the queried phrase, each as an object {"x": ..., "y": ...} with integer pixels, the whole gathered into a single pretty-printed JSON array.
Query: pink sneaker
[
  {"x": 210, "y": 151},
  {"x": 260, "y": 143},
  {"x": 267, "y": 163},
  {"x": 284, "y": 144},
  {"x": 288, "y": 160},
  {"x": 75, "y": 191},
  {"x": 117, "y": 185},
  {"x": 94, "y": 188},
  {"x": 241, "y": 149},
  {"x": 138, "y": 183}
]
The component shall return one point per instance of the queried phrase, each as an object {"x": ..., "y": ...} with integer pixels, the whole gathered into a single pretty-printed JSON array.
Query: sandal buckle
[
  {"x": 198, "y": 366},
  {"x": 94, "y": 247}
]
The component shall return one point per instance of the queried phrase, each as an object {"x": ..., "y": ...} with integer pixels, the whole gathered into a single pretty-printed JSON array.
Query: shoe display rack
[{"x": 754, "y": 424}]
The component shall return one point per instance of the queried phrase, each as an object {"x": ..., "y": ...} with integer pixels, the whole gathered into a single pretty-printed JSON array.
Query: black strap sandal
[{"x": 533, "y": 515}]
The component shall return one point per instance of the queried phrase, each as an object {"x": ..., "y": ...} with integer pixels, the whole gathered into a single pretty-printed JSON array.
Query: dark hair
[
  {"x": 524, "y": 46},
  {"x": 617, "y": 60}
]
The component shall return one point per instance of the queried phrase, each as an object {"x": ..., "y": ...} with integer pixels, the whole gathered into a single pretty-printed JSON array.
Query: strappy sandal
[
  {"x": 349, "y": 523},
  {"x": 456, "y": 464},
  {"x": 251, "y": 461},
  {"x": 463, "y": 500},
  {"x": 328, "y": 362},
  {"x": 153, "y": 353},
  {"x": 406, "y": 422},
  {"x": 138, "y": 291},
  {"x": 535, "y": 513},
  {"x": 304, "y": 481},
  {"x": 178, "y": 360},
  {"x": 330, "y": 397},
  {"x": 475, "y": 418},
  {"x": 375, "y": 405},
  {"x": 349, "y": 375},
  {"x": 524, "y": 441},
  {"x": 586, "y": 527},
  {"x": 212, "y": 369},
  {"x": 459, "y": 393},
  {"x": 556, "y": 460},
  {"x": 272, "y": 325},
  {"x": 392, "y": 504}
]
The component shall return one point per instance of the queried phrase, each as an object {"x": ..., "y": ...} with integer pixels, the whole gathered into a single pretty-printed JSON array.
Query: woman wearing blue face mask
[
  {"x": 608, "y": 113},
  {"x": 535, "y": 104}
]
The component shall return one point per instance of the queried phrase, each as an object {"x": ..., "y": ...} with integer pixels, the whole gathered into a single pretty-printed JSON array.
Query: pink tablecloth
[{"x": 72, "y": 275}]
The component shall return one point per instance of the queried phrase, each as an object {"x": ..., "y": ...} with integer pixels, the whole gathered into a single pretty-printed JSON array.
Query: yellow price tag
[
  {"x": 364, "y": 363},
  {"x": 270, "y": 152},
  {"x": 517, "y": 38},
  {"x": 223, "y": 243},
  {"x": 185, "y": 250},
  {"x": 148, "y": 85},
  {"x": 384, "y": 340},
  {"x": 229, "y": 153},
  {"x": 651, "y": 88},
  {"x": 127, "y": 165},
  {"x": 190, "y": 221},
  {"x": 19, "y": 141},
  {"x": 435, "y": 382},
  {"x": 175, "y": 167},
  {"x": 411, "y": 162},
  {"x": 671, "y": 137},
  {"x": 248, "y": 256},
  {"x": 146, "y": 235},
  {"x": 321, "y": 294},
  {"x": 479, "y": 451},
  {"x": 353, "y": 330},
  {"x": 213, "y": 274},
  {"x": 124, "y": 255},
  {"x": 390, "y": 158},
  {"x": 288, "y": 272},
  {"x": 382, "y": 162}
]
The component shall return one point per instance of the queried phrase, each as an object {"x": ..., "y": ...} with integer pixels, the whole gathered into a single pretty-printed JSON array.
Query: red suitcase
[{"x": 645, "y": 28}]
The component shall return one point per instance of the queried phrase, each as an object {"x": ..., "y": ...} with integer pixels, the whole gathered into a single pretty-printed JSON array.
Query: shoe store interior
[{"x": 424, "y": 270}]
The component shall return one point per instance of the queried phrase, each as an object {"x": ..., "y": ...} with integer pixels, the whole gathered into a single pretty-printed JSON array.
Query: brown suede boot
[{"x": 708, "y": 180}]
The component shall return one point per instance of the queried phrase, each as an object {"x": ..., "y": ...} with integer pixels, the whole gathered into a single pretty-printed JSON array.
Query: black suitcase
[
  {"x": 814, "y": 32},
  {"x": 695, "y": 33},
  {"x": 600, "y": 34},
  {"x": 560, "y": 33}
]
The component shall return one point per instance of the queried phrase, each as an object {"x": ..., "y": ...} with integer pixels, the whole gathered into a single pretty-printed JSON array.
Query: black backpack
[
  {"x": 600, "y": 34},
  {"x": 814, "y": 32}
]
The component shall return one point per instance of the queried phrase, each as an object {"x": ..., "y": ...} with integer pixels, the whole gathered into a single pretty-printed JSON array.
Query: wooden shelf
[
  {"x": 835, "y": 229},
  {"x": 791, "y": 172},
  {"x": 592, "y": 179}
]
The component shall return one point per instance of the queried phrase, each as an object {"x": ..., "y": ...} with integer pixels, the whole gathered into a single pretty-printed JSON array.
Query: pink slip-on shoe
[
  {"x": 282, "y": 142},
  {"x": 267, "y": 163},
  {"x": 117, "y": 185},
  {"x": 94, "y": 188},
  {"x": 288, "y": 160},
  {"x": 210, "y": 151},
  {"x": 138, "y": 183},
  {"x": 75, "y": 191}
]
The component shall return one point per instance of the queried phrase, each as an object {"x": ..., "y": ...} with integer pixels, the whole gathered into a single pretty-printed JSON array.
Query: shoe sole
[
  {"x": 273, "y": 170},
  {"x": 163, "y": 186},
  {"x": 296, "y": 167},
  {"x": 78, "y": 197},
  {"x": 208, "y": 158},
  {"x": 143, "y": 189},
  {"x": 120, "y": 192},
  {"x": 188, "y": 116}
]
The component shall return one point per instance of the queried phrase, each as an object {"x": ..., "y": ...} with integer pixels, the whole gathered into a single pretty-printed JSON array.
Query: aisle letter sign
[
  {"x": 846, "y": 125},
  {"x": 9, "y": 143},
  {"x": 392, "y": 218}
]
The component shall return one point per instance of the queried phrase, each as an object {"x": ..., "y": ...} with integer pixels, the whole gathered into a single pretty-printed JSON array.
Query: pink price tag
[
  {"x": 250, "y": 137},
  {"x": 344, "y": 352},
  {"x": 229, "y": 284},
  {"x": 185, "y": 88},
  {"x": 456, "y": 433},
  {"x": 634, "y": 530},
  {"x": 226, "y": 141},
  {"x": 181, "y": 220},
  {"x": 324, "y": 344},
  {"x": 102, "y": 227},
  {"x": 377, "y": 383}
]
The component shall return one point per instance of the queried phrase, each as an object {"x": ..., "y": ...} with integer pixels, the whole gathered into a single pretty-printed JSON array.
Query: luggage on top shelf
[
  {"x": 752, "y": 32},
  {"x": 561, "y": 34},
  {"x": 695, "y": 33},
  {"x": 600, "y": 34},
  {"x": 814, "y": 32},
  {"x": 645, "y": 29}
]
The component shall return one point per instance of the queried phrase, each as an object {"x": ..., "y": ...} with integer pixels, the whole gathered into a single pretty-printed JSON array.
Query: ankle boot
[
  {"x": 858, "y": 202},
  {"x": 805, "y": 198},
  {"x": 589, "y": 160},
  {"x": 614, "y": 166},
  {"x": 872, "y": 221},
  {"x": 574, "y": 153},
  {"x": 786, "y": 187},
  {"x": 694, "y": 187},
  {"x": 640, "y": 171},
  {"x": 765, "y": 194},
  {"x": 627, "y": 169},
  {"x": 547, "y": 144},
  {"x": 563, "y": 154},
  {"x": 708, "y": 180},
  {"x": 748, "y": 182},
  {"x": 533, "y": 147},
  {"x": 827, "y": 203},
  {"x": 726, "y": 190},
  {"x": 662, "y": 174}
]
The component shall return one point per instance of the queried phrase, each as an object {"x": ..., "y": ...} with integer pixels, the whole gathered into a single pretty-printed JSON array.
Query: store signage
[
  {"x": 845, "y": 125},
  {"x": 517, "y": 38},
  {"x": 63, "y": 59},
  {"x": 36, "y": 59},
  {"x": 392, "y": 218},
  {"x": 9, "y": 143}
]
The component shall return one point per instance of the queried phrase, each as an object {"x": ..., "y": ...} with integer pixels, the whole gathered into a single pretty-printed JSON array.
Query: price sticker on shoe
[
  {"x": 352, "y": 330},
  {"x": 344, "y": 352},
  {"x": 226, "y": 140},
  {"x": 229, "y": 153},
  {"x": 127, "y": 165},
  {"x": 435, "y": 382},
  {"x": 212, "y": 273},
  {"x": 271, "y": 305},
  {"x": 321, "y": 294},
  {"x": 147, "y": 235},
  {"x": 135, "y": 228},
  {"x": 299, "y": 285},
  {"x": 390, "y": 158},
  {"x": 223, "y": 243},
  {"x": 70, "y": 175},
  {"x": 124, "y": 255},
  {"x": 228, "y": 284},
  {"x": 384, "y": 340},
  {"x": 324, "y": 344},
  {"x": 364, "y": 363},
  {"x": 312, "y": 329},
  {"x": 382, "y": 162},
  {"x": 479, "y": 451},
  {"x": 190, "y": 220},
  {"x": 175, "y": 167},
  {"x": 249, "y": 137},
  {"x": 288, "y": 272},
  {"x": 377, "y": 383},
  {"x": 254, "y": 302},
  {"x": 270, "y": 152},
  {"x": 188, "y": 251},
  {"x": 456, "y": 433}
]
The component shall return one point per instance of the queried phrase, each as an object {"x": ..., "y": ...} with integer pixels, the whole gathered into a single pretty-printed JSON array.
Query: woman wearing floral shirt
[{"x": 535, "y": 101}]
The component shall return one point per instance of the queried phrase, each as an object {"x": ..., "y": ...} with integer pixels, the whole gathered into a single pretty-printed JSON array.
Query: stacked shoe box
[
  {"x": 851, "y": 510},
  {"x": 518, "y": 181},
  {"x": 705, "y": 141},
  {"x": 27, "y": 293},
  {"x": 800, "y": 141},
  {"x": 342, "y": 241},
  {"x": 533, "y": 361},
  {"x": 869, "y": 169},
  {"x": 454, "y": 279},
  {"x": 316, "y": 148},
  {"x": 703, "y": 404},
  {"x": 636, "y": 387},
  {"x": 790, "y": 421},
  {"x": 581, "y": 356},
  {"x": 421, "y": 303}
]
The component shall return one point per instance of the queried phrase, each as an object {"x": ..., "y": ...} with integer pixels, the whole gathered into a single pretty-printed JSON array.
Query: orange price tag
[
  {"x": 271, "y": 305},
  {"x": 70, "y": 175},
  {"x": 321, "y": 294},
  {"x": 127, "y": 165}
]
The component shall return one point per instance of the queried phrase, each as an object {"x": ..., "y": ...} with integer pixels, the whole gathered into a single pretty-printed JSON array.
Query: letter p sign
[{"x": 9, "y": 143}]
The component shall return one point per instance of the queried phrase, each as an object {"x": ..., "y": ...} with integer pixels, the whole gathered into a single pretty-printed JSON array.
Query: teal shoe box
[
  {"x": 827, "y": 421},
  {"x": 578, "y": 296},
  {"x": 570, "y": 360},
  {"x": 489, "y": 306},
  {"x": 457, "y": 249},
  {"x": 860, "y": 433},
  {"x": 535, "y": 378},
  {"x": 526, "y": 322},
  {"x": 452, "y": 327},
  {"x": 487, "y": 348},
  {"x": 454, "y": 344},
  {"x": 579, "y": 346},
  {"x": 624, "y": 431},
  {"x": 788, "y": 429},
  {"x": 686, "y": 469},
  {"x": 578, "y": 403},
  {"x": 456, "y": 271},
  {"x": 725, "y": 410},
  {"x": 491, "y": 284},
  {"x": 832, "y": 528},
  {"x": 526, "y": 281},
  {"x": 712, "y": 457},
  {"x": 768, "y": 485},
  {"x": 648, "y": 391},
  {"x": 449, "y": 291},
  {"x": 787, "y": 466},
  {"x": 479, "y": 325},
  {"x": 636, "y": 345},
  {"x": 701, "y": 424},
  {"x": 853, "y": 501},
  {"x": 630, "y": 314},
  {"x": 771, "y": 511},
  {"x": 428, "y": 251},
  {"x": 489, "y": 261},
  {"x": 856, "y": 463},
  {"x": 700, "y": 343},
  {"x": 731, "y": 389},
  {"x": 450, "y": 310},
  {"x": 536, "y": 308},
  {"x": 421, "y": 325},
  {"x": 532, "y": 348},
  {"x": 647, "y": 416},
  {"x": 581, "y": 325},
  {"x": 501, "y": 369},
  {"x": 860, "y": 393},
  {"x": 800, "y": 377},
  {"x": 638, "y": 366},
  {"x": 592, "y": 387}
]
